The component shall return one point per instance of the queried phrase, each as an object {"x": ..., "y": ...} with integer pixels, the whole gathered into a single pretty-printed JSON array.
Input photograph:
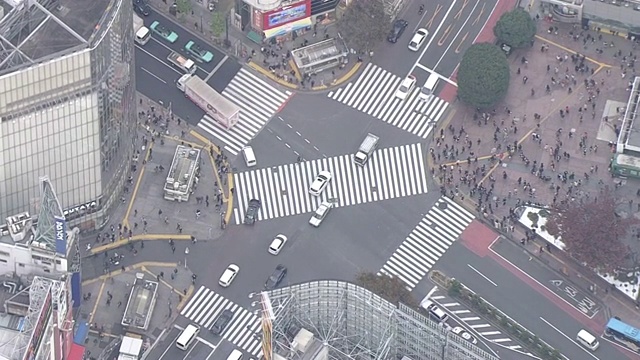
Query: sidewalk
[
  {"x": 264, "y": 58},
  {"x": 555, "y": 115}
]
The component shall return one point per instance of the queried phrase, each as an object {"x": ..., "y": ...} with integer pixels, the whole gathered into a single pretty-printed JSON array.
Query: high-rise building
[{"x": 67, "y": 105}]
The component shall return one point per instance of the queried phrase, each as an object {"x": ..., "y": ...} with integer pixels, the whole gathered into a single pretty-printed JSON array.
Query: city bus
[
  {"x": 625, "y": 166},
  {"x": 623, "y": 332}
]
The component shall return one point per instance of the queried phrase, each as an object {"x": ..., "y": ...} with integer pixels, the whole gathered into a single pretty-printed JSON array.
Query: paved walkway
[
  {"x": 263, "y": 57},
  {"x": 559, "y": 101}
]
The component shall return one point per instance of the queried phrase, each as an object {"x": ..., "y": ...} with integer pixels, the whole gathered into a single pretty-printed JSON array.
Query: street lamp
[{"x": 186, "y": 252}]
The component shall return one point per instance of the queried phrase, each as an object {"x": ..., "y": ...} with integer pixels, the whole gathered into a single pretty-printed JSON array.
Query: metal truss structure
[
  {"x": 19, "y": 25},
  {"x": 50, "y": 209},
  {"x": 350, "y": 322}
]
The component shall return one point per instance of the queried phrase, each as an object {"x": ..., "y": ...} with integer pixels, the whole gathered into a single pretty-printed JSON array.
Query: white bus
[
  {"x": 187, "y": 336},
  {"x": 142, "y": 33}
]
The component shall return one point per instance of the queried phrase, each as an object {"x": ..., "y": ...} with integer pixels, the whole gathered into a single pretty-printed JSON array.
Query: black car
[
  {"x": 221, "y": 322},
  {"x": 141, "y": 7},
  {"x": 397, "y": 30},
  {"x": 252, "y": 211},
  {"x": 274, "y": 280}
]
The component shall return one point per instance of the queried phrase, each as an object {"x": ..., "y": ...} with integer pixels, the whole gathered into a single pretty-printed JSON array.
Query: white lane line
[
  {"x": 481, "y": 274},
  {"x": 152, "y": 74},
  {"x": 216, "y": 68},
  {"x": 568, "y": 338}
]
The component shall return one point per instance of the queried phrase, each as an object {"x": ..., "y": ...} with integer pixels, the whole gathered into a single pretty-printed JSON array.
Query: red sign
[
  {"x": 257, "y": 19},
  {"x": 39, "y": 328},
  {"x": 286, "y": 14}
]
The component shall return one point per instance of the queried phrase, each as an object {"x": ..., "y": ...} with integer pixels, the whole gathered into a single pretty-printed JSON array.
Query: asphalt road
[
  {"x": 156, "y": 77},
  {"x": 534, "y": 308}
]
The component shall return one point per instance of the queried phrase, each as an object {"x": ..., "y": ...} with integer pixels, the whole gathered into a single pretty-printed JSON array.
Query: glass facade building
[{"x": 67, "y": 105}]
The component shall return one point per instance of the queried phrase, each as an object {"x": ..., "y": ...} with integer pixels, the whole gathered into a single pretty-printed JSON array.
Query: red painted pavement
[
  {"x": 485, "y": 35},
  {"x": 477, "y": 237}
]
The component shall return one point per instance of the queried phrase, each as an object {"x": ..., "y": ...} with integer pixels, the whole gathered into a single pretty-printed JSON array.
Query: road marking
[
  {"x": 440, "y": 76},
  {"x": 459, "y": 13},
  {"x": 159, "y": 60},
  {"x": 456, "y": 36},
  {"x": 432, "y": 38},
  {"x": 152, "y": 74},
  {"x": 481, "y": 274},
  {"x": 216, "y": 68},
  {"x": 568, "y": 338},
  {"x": 431, "y": 292},
  {"x": 433, "y": 17}
]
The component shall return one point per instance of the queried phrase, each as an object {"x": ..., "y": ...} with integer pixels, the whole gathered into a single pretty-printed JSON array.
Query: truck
[
  {"x": 216, "y": 106},
  {"x": 182, "y": 62},
  {"x": 368, "y": 146},
  {"x": 142, "y": 33}
]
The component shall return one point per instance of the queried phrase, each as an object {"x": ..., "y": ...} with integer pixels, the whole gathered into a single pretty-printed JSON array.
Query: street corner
[
  {"x": 285, "y": 80},
  {"x": 478, "y": 238},
  {"x": 176, "y": 277},
  {"x": 449, "y": 93}
]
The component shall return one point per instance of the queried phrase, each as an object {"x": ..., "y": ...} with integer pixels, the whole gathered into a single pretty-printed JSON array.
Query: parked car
[
  {"x": 405, "y": 87},
  {"x": 320, "y": 213},
  {"x": 221, "y": 322},
  {"x": 163, "y": 32},
  {"x": 198, "y": 51},
  {"x": 252, "y": 212},
  {"x": 458, "y": 330},
  {"x": 277, "y": 244},
  {"x": 320, "y": 183},
  {"x": 276, "y": 277},
  {"x": 418, "y": 39},
  {"x": 396, "y": 31},
  {"x": 141, "y": 7}
]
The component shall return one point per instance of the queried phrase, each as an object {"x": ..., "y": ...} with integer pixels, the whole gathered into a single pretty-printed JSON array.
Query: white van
[
  {"x": 249, "y": 156},
  {"x": 434, "y": 310},
  {"x": 235, "y": 355},
  {"x": 587, "y": 340},
  {"x": 187, "y": 336},
  {"x": 426, "y": 91}
]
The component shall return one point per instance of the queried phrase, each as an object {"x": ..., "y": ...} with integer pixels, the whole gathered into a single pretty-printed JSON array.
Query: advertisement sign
[
  {"x": 39, "y": 328},
  {"x": 286, "y": 14},
  {"x": 61, "y": 235},
  {"x": 257, "y": 19}
]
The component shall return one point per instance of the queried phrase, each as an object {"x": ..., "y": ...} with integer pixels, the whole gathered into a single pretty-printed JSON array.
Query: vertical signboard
[
  {"x": 286, "y": 14},
  {"x": 39, "y": 328},
  {"x": 257, "y": 19},
  {"x": 61, "y": 235},
  {"x": 76, "y": 289}
]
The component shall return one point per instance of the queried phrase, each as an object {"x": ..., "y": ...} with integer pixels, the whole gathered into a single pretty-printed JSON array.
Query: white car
[
  {"x": 320, "y": 182},
  {"x": 405, "y": 87},
  {"x": 464, "y": 334},
  {"x": 277, "y": 244},
  {"x": 418, "y": 39},
  {"x": 228, "y": 275},
  {"x": 320, "y": 213}
]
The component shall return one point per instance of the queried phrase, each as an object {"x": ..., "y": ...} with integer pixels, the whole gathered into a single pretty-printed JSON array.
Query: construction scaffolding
[{"x": 339, "y": 320}]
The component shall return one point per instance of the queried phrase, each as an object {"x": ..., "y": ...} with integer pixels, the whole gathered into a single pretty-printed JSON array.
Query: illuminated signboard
[
  {"x": 286, "y": 15},
  {"x": 61, "y": 235},
  {"x": 39, "y": 328}
]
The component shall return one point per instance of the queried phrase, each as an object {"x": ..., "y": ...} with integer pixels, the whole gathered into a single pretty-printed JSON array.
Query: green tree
[
  {"x": 592, "y": 231},
  {"x": 364, "y": 24},
  {"x": 184, "y": 6},
  {"x": 515, "y": 28},
  {"x": 391, "y": 289},
  {"x": 218, "y": 24},
  {"x": 483, "y": 76}
]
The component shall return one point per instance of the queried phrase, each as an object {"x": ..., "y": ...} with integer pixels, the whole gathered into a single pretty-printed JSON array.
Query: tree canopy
[
  {"x": 515, "y": 28},
  {"x": 217, "y": 24},
  {"x": 184, "y": 6},
  {"x": 592, "y": 231},
  {"x": 483, "y": 76},
  {"x": 391, "y": 289},
  {"x": 364, "y": 24}
]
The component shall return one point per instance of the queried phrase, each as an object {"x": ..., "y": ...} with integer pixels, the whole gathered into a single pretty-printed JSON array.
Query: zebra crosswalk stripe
[
  {"x": 284, "y": 190},
  {"x": 374, "y": 94},
  {"x": 258, "y": 102},
  {"x": 427, "y": 242},
  {"x": 205, "y": 306}
]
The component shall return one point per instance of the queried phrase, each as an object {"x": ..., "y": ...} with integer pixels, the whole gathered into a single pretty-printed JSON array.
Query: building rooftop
[
  {"x": 49, "y": 27},
  {"x": 629, "y": 137},
  {"x": 183, "y": 169},
  {"x": 142, "y": 299}
]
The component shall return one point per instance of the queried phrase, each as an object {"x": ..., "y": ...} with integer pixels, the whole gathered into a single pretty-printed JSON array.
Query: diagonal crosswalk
[
  {"x": 258, "y": 102},
  {"x": 244, "y": 330},
  {"x": 427, "y": 242},
  {"x": 374, "y": 94},
  {"x": 284, "y": 190}
]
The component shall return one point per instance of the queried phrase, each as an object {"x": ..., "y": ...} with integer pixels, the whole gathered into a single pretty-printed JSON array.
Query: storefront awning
[
  {"x": 281, "y": 30},
  {"x": 255, "y": 37}
]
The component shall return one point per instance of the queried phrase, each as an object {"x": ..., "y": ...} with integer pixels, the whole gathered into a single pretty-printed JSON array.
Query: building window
[
  {"x": 20, "y": 264},
  {"x": 4, "y": 253},
  {"x": 3, "y": 261},
  {"x": 47, "y": 270}
]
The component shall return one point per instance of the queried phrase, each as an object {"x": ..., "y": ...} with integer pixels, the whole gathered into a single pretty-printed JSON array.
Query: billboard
[
  {"x": 40, "y": 327},
  {"x": 61, "y": 235},
  {"x": 76, "y": 289},
  {"x": 286, "y": 14}
]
